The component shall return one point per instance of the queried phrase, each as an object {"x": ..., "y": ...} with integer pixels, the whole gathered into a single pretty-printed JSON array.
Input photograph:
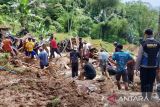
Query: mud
[{"x": 33, "y": 87}]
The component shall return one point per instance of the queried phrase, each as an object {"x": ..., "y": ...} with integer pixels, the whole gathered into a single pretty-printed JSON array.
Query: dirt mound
[
  {"x": 30, "y": 86},
  {"x": 41, "y": 89}
]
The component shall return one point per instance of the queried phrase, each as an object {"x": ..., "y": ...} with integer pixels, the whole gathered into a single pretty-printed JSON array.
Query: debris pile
[
  {"x": 30, "y": 86},
  {"x": 24, "y": 84}
]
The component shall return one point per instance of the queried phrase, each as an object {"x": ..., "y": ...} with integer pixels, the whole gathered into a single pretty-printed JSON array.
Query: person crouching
[{"x": 89, "y": 71}]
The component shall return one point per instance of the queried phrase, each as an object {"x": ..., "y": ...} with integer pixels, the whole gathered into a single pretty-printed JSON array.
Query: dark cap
[
  {"x": 149, "y": 32},
  {"x": 119, "y": 46}
]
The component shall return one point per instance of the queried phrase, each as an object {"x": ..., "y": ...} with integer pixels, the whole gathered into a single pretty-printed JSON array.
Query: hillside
[
  {"x": 98, "y": 43},
  {"x": 36, "y": 69}
]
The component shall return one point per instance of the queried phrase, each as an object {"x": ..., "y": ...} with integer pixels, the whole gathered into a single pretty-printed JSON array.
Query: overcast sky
[{"x": 154, "y": 3}]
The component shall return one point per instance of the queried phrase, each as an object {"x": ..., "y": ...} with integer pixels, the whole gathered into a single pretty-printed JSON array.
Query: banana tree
[{"x": 23, "y": 11}]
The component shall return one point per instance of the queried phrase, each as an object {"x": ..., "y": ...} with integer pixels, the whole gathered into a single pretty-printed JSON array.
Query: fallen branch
[{"x": 3, "y": 68}]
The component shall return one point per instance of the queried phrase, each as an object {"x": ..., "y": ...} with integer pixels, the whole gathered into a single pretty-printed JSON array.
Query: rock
[
  {"x": 101, "y": 79},
  {"x": 68, "y": 74},
  {"x": 56, "y": 102},
  {"x": 92, "y": 87},
  {"x": 106, "y": 105},
  {"x": 86, "y": 86},
  {"x": 82, "y": 90},
  {"x": 145, "y": 105}
]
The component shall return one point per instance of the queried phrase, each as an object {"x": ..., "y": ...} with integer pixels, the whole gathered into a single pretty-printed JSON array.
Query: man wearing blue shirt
[
  {"x": 121, "y": 59},
  {"x": 43, "y": 56}
]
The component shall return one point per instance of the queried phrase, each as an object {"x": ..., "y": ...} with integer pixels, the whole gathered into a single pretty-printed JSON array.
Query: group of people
[
  {"x": 147, "y": 63},
  {"x": 82, "y": 52},
  {"x": 148, "y": 59},
  {"x": 120, "y": 59},
  {"x": 31, "y": 48}
]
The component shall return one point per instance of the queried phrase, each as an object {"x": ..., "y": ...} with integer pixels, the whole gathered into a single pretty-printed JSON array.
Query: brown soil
[
  {"x": 49, "y": 88},
  {"x": 37, "y": 88}
]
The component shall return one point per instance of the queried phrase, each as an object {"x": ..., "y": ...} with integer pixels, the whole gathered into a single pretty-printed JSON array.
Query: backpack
[{"x": 150, "y": 54}]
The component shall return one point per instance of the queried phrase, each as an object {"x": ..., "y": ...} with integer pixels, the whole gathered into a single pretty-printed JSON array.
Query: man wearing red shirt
[
  {"x": 53, "y": 47},
  {"x": 7, "y": 46}
]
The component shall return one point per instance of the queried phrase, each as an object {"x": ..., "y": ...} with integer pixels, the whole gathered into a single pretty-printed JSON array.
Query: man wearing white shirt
[{"x": 103, "y": 62}]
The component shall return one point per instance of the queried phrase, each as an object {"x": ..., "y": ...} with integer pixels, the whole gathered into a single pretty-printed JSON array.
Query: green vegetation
[
  {"x": 108, "y": 20},
  {"x": 98, "y": 43},
  {"x": 4, "y": 57}
]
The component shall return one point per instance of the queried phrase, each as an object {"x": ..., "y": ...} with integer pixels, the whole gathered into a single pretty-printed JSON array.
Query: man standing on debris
[
  {"x": 80, "y": 48},
  {"x": 89, "y": 71},
  {"x": 121, "y": 58},
  {"x": 7, "y": 46},
  {"x": 74, "y": 55},
  {"x": 43, "y": 56},
  {"x": 53, "y": 47},
  {"x": 29, "y": 48},
  {"x": 147, "y": 62},
  {"x": 36, "y": 46},
  {"x": 103, "y": 62},
  {"x": 115, "y": 45},
  {"x": 130, "y": 71},
  {"x": 86, "y": 49},
  {"x": 43, "y": 44}
]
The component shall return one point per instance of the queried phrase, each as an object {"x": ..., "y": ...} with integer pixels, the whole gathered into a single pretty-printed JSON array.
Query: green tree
[{"x": 141, "y": 16}]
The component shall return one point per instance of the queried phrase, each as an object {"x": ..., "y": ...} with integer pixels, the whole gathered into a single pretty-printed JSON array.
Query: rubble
[{"x": 30, "y": 86}]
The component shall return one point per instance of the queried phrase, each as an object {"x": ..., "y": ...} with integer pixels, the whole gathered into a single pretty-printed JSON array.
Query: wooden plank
[{"x": 71, "y": 43}]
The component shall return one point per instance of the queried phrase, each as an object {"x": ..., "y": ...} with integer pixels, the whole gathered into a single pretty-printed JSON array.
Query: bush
[
  {"x": 112, "y": 38},
  {"x": 73, "y": 33},
  {"x": 63, "y": 21},
  {"x": 85, "y": 24},
  {"x": 95, "y": 33},
  {"x": 58, "y": 26},
  {"x": 47, "y": 22},
  {"x": 117, "y": 26},
  {"x": 84, "y": 31},
  {"x": 52, "y": 28},
  {"x": 55, "y": 10}
]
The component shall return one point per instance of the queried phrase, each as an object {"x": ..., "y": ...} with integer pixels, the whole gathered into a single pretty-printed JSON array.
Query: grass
[
  {"x": 4, "y": 59},
  {"x": 96, "y": 42},
  {"x": 62, "y": 36}
]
